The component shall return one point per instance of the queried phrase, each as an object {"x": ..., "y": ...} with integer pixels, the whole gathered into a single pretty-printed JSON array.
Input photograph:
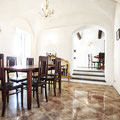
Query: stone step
[
  {"x": 85, "y": 79},
  {"x": 86, "y": 74},
  {"x": 89, "y": 74},
  {"x": 88, "y": 77},
  {"x": 96, "y": 71}
]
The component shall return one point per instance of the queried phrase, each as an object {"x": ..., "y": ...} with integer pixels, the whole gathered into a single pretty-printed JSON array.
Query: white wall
[
  {"x": 88, "y": 36},
  {"x": 56, "y": 41},
  {"x": 117, "y": 51},
  {"x": 63, "y": 47}
]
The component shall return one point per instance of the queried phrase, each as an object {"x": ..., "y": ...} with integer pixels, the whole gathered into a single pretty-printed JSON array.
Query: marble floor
[{"x": 77, "y": 101}]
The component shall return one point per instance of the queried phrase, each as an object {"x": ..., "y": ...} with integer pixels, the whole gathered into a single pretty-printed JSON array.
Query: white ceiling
[{"x": 65, "y": 10}]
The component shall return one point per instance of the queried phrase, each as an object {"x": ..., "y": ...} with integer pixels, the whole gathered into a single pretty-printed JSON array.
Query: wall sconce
[{"x": 90, "y": 43}]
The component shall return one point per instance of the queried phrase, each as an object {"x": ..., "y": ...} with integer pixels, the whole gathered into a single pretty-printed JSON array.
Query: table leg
[{"x": 29, "y": 89}]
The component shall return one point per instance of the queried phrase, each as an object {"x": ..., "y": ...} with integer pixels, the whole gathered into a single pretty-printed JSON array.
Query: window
[{"x": 22, "y": 45}]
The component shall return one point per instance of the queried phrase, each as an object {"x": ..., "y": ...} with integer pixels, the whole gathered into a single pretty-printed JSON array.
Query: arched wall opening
[{"x": 86, "y": 42}]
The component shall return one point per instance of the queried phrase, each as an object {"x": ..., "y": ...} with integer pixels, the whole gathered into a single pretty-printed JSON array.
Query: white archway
[{"x": 84, "y": 61}]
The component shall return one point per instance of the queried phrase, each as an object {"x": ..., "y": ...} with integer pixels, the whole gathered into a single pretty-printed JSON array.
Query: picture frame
[{"x": 118, "y": 34}]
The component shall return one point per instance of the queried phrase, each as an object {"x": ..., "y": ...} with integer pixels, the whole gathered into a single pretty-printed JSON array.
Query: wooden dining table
[{"x": 29, "y": 69}]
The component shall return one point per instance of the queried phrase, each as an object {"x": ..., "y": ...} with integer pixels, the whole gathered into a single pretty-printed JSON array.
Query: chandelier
[{"x": 46, "y": 12}]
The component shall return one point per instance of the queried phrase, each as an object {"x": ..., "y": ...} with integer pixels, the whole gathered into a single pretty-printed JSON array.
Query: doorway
[
  {"x": 88, "y": 44},
  {"x": 88, "y": 40}
]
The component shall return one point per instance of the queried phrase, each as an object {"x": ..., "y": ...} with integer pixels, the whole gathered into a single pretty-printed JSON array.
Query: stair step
[
  {"x": 88, "y": 77},
  {"x": 89, "y": 73},
  {"x": 86, "y": 74},
  {"x": 94, "y": 75},
  {"x": 101, "y": 71},
  {"x": 93, "y": 80}
]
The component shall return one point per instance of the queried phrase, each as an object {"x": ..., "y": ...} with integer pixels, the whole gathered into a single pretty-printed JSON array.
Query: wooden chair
[
  {"x": 56, "y": 76},
  {"x": 29, "y": 61},
  {"x": 91, "y": 62},
  {"x": 101, "y": 60},
  {"x": 12, "y": 61},
  {"x": 6, "y": 87},
  {"x": 41, "y": 81}
]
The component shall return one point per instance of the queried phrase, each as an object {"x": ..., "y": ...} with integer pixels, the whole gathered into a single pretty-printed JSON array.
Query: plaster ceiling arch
[
  {"x": 79, "y": 20},
  {"x": 69, "y": 7},
  {"x": 82, "y": 27}
]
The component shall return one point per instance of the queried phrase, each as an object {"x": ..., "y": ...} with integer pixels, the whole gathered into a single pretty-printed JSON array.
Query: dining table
[{"x": 29, "y": 69}]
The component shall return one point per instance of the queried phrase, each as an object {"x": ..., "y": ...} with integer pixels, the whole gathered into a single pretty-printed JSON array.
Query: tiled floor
[{"x": 76, "y": 102}]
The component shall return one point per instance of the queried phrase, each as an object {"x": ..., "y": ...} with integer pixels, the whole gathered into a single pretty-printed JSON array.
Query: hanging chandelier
[{"x": 46, "y": 12}]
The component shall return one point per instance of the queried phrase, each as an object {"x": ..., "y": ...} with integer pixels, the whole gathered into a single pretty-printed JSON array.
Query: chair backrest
[
  {"x": 53, "y": 61},
  {"x": 2, "y": 69},
  {"x": 101, "y": 55},
  {"x": 29, "y": 61},
  {"x": 11, "y": 61},
  {"x": 43, "y": 67},
  {"x": 58, "y": 66}
]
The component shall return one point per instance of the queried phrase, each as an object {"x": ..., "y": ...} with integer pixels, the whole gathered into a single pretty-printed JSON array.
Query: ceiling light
[{"x": 46, "y": 12}]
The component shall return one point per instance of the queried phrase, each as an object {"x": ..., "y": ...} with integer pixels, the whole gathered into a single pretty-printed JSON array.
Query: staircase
[{"x": 89, "y": 75}]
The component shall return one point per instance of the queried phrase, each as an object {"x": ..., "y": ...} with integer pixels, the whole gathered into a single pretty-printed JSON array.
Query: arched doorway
[{"x": 88, "y": 44}]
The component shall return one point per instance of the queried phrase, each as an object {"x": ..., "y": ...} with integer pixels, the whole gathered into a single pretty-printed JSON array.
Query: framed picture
[{"x": 118, "y": 34}]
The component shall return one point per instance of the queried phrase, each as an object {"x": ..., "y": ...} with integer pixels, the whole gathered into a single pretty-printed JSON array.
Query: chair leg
[
  {"x": 4, "y": 102},
  {"x": 49, "y": 84},
  {"x": 37, "y": 96},
  {"x": 22, "y": 96},
  {"x": 46, "y": 93},
  {"x": 17, "y": 94},
  {"x": 54, "y": 84},
  {"x": 33, "y": 91},
  {"x": 59, "y": 84},
  {"x": 2, "y": 96},
  {"x": 7, "y": 96},
  {"x": 41, "y": 89}
]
